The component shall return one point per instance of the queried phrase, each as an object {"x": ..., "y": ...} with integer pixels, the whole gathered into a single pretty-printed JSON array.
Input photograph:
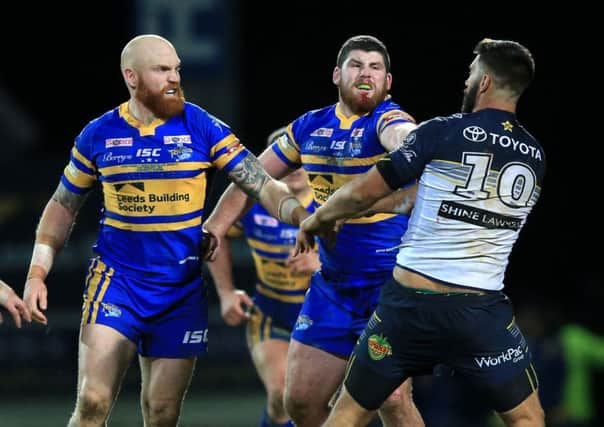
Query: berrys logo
[
  {"x": 474, "y": 134},
  {"x": 378, "y": 347}
]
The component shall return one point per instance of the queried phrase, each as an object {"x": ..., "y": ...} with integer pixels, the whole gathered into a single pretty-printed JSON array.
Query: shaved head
[
  {"x": 151, "y": 70},
  {"x": 142, "y": 47}
]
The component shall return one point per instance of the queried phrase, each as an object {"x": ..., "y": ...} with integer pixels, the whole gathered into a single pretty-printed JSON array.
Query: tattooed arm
[
  {"x": 53, "y": 231},
  {"x": 252, "y": 182}
]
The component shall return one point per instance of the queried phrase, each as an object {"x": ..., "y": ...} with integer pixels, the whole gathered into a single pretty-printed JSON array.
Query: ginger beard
[
  {"x": 162, "y": 106},
  {"x": 362, "y": 101}
]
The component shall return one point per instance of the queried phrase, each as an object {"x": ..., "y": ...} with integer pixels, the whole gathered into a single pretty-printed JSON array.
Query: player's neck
[
  {"x": 140, "y": 112},
  {"x": 495, "y": 101}
]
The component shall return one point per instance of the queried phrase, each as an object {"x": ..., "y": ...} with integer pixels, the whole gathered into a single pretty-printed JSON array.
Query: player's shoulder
[
  {"x": 106, "y": 119},
  {"x": 199, "y": 117}
]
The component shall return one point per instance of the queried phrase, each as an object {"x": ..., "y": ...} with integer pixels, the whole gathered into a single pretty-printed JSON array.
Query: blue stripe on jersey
[
  {"x": 236, "y": 160},
  {"x": 118, "y": 177},
  {"x": 73, "y": 188},
  {"x": 154, "y": 219},
  {"x": 342, "y": 170}
]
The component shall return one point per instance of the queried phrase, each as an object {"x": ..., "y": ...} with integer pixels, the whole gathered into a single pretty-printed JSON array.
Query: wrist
[
  {"x": 36, "y": 272},
  {"x": 285, "y": 211}
]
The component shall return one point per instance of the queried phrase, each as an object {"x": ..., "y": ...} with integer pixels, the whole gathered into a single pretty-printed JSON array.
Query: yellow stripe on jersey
[
  {"x": 289, "y": 147},
  {"x": 155, "y": 167},
  {"x": 233, "y": 148},
  {"x": 166, "y": 197},
  {"x": 391, "y": 116},
  {"x": 345, "y": 122},
  {"x": 269, "y": 247},
  {"x": 170, "y": 226},
  {"x": 371, "y": 219},
  {"x": 78, "y": 178},
  {"x": 143, "y": 129},
  {"x": 82, "y": 159},
  {"x": 341, "y": 161},
  {"x": 276, "y": 274},
  {"x": 231, "y": 139},
  {"x": 297, "y": 299}
]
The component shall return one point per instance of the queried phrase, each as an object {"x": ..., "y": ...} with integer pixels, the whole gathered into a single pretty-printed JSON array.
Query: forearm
[
  {"x": 221, "y": 269},
  {"x": 399, "y": 202},
  {"x": 281, "y": 203},
  {"x": 53, "y": 230},
  {"x": 251, "y": 177},
  {"x": 233, "y": 204}
]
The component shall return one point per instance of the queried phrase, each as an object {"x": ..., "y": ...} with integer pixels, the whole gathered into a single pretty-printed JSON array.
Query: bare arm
[
  {"x": 53, "y": 231},
  {"x": 399, "y": 202},
  {"x": 231, "y": 299},
  {"x": 348, "y": 201},
  {"x": 252, "y": 181},
  {"x": 392, "y": 136}
]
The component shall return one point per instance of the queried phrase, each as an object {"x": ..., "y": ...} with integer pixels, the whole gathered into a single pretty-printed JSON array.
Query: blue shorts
[
  {"x": 262, "y": 327},
  {"x": 411, "y": 332},
  {"x": 179, "y": 329},
  {"x": 333, "y": 317}
]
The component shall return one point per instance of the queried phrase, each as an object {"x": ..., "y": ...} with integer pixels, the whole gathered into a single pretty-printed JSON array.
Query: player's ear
[{"x": 336, "y": 76}]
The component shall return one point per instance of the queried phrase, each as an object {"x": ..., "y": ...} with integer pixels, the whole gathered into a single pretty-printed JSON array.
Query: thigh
[
  {"x": 494, "y": 355},
  {"x": 313, "y": 375},
  {"x": 104, "y": 356},
  {"x": 165, "y": 378},
  {"x": 529, "y": 412},
  {"x": 268, "y": 344}
]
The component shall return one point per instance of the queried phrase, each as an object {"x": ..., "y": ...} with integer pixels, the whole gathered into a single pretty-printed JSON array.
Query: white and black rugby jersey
[{"x": 480, "y": 176}]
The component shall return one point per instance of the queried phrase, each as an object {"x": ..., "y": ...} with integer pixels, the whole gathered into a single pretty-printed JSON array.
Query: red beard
[
  {"x": 161, "y": 106},
  {"x": 362, "y": 103}
]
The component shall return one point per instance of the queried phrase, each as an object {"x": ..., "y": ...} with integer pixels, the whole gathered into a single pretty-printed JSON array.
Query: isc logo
[
  {"x": 148, "y": 152},
  {"x": 195, "y": 337}
]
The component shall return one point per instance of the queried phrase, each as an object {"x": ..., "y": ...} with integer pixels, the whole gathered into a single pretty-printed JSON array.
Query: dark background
[{"x": 60, "y": 69}]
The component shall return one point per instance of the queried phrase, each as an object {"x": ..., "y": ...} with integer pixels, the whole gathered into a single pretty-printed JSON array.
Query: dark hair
[
  {"x": 511, "y": 64},
  {"x": 366, "y": 43}
]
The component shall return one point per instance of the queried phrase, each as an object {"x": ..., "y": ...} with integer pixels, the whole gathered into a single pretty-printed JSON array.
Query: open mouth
[{"x": 364, "y": 86}]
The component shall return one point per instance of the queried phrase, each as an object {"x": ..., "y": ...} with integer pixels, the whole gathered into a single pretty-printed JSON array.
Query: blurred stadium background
[{"x": 258, "y": 67}]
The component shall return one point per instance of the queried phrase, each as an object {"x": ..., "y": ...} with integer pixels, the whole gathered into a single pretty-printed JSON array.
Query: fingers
[
  {"x": 16, "y": 316},
  {"x": 18, "y": 310}
]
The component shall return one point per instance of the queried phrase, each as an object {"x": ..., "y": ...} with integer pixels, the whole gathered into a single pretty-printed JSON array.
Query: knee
[
  {"x": 295, "y": 404},
  {"x": 160, "y": 413},
  {"x": 93, "y": 406},
  {"x": 400, "y": 398},
  {"x": 276, "y": 406}
]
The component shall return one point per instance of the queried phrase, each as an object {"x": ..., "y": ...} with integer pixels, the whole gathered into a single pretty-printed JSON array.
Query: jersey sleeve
[
  {"x": 286, "y": 148},
  {"x": 405, "y": 164},
  {"x": 226, "y": 151},
  {"x": 80, "y": 174},
  {"x": 392, "y": 117}
]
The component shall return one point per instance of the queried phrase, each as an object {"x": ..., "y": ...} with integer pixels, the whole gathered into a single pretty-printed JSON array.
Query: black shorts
[{"x": 411, "y": 332}]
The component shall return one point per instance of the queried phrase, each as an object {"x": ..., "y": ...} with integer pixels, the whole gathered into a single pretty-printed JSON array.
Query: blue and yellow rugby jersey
[
  {"x": 334, "y": 149},
  {"x": 279, "y": 293},
  {"x": 153, "y": 179}
]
